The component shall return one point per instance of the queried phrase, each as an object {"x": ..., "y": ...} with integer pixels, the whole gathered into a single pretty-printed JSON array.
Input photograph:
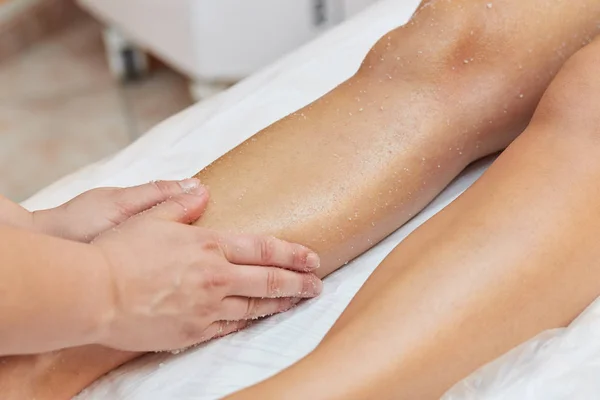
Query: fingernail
[
  {"x": 313, "y": 261},
  {"x": 191, "y": 186},
  {"x": 313, "y": 287}
]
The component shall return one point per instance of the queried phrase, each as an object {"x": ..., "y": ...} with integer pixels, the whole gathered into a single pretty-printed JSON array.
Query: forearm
[
  {"x": 14, "y": 215},
  {"x": 345, "y": 171},
  {"x": 49, "y": 222},
  {"x": 53, "y": 292}
]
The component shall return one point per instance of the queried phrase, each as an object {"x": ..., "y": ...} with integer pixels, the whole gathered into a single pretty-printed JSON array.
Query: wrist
[
  {"x": 88, "y": 303},
  {"x": 46, "y": 222},
  {"x": 54, "y": 222},
  {"x": 12, "y": 214},
  {"x": 104, "y": 299}
]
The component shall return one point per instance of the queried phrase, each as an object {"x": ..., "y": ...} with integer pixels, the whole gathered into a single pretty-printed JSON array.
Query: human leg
[
  {"x": 514, "y": 255},
  {"x": 338, "y": 178}
]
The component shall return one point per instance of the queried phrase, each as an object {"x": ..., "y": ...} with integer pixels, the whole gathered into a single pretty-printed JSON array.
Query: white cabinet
[{"x": 220, "y": 41}]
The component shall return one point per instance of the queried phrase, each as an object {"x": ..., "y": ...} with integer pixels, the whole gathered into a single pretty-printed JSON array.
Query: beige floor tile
[
  {"x": 72, "y": 60},
  {"x": 156, "y": 98},
  {"x": 42, "y": 140},
  {"x": 60, "y": 108}
]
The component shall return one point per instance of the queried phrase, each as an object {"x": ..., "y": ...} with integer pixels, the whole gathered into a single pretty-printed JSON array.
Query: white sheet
[{"x": 559, "y": 364}]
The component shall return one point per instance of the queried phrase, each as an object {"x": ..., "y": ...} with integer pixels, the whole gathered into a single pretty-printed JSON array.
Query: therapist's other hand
[
  {"x": 177, "y": 285},
  {"x": 97, "y": 210}
]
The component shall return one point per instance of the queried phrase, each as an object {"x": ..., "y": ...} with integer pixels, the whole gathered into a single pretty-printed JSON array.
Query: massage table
[{"x": 558, "y": 364}]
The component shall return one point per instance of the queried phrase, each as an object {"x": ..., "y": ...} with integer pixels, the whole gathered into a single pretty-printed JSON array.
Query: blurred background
[{"x": 81, "y": 79}]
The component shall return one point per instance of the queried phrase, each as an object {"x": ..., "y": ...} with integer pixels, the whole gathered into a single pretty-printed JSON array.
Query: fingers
[
  {"x": 185, "y": 208},
  {"x": 143, "y": 197},
  {"x": 222, "y": 328},
  {"x": 272, "y": 282},
  {"x": 240, "y": 308},
  {"x": 238, "y": 313},
  {"x": 268, "y": 251}
]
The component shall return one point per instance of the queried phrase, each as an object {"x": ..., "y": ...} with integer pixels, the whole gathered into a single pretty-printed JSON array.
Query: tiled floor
[{"x": 60, "y": 109}]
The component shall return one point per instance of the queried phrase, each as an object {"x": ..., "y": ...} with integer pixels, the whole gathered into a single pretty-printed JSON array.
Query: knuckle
[
  {"x": 165, "y": 188},
  {"x": 273, "y": 284},
  {"x": 222, "y": 325},
  {"x": 181, "y": 202},
  {"x": 307, "y": 284},
  {"x": 220, "y": 280},
  {"x": 187, "y": 205},
  {"x": 239, "y": 325},
  {"x": 213, "y": 280},
  {"x": 210, "y": 244},
  {"x": 284, "y": 304},
  {"x": 267, "y": 246},
  {"x": 223, "y": 245},
  {"x": 299, "y": 255},
  {"x": 251, "y": 308},
  {"x": 224, "y": 328}
]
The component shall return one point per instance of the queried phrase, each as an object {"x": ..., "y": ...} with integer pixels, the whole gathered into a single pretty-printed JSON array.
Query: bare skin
[
  {"x": 515, "y": 255},
  {"x": 459, "y": 82},
  {"x": 125, "y": 250}
]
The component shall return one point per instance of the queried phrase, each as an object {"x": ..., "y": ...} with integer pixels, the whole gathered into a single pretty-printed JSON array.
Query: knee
[
  {"x": 573, "y": 98},
  {"x": 443, "y": 42}
]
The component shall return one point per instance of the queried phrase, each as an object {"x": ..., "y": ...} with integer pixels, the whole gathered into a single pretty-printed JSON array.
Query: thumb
[
  {"x": 142, "y": 197},
  {"x": 185, "y": 208}
]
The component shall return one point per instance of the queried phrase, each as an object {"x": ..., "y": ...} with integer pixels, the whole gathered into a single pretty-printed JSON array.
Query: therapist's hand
[
  {"x": 95, "y": 211},
  {"x": 176, "y": 285}
]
